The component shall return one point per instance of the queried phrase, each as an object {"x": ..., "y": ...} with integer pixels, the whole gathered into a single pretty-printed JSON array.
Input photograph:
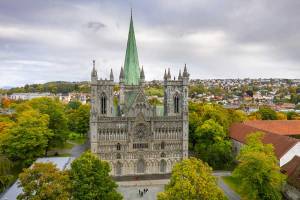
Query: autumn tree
[
  {"x": 258, "y": 170},
  {"x": 28, "y": 139},
  {"x": 5, "y": 123},
  {"x": 191, "y": 179},
  {"x": 43, "y": 181},
  {"x": 5, "y": 103},
  {"x": 90, "y": 179}
]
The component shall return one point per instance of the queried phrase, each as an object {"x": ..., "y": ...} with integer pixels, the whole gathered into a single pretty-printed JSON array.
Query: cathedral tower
[{"x": 133, "y": 136}]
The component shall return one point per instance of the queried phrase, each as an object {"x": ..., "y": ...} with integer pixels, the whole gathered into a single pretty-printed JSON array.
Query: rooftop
[
  {"x": 280, "y": 127},
  {"x": 281, "y": 143}
]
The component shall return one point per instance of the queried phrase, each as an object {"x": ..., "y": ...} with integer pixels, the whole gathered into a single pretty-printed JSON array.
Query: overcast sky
[{"x": 51, "y": 40}]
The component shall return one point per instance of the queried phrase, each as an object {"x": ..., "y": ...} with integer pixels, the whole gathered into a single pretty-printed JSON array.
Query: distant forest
[{"x": 53, "y": 87}]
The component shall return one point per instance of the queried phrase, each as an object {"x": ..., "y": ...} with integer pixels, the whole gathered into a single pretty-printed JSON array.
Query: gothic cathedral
[{"x": 134, "y": 137}]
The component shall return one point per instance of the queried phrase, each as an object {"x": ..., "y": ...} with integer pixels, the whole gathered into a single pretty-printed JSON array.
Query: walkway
[
  {"x": 232, "y": 195},
  {"x": 77, "y": 149}
]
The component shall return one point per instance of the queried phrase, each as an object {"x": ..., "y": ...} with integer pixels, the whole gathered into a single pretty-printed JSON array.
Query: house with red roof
[{"x": 285, "y": 147}]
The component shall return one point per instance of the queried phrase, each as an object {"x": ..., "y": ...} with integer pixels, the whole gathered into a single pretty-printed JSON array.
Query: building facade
[{"x": 135, "y": 137}]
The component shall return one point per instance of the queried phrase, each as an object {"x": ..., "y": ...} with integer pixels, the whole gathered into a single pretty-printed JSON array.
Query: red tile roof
[
  {"x": 280, "y": 127},
  {"x": 282, "y": 144},
  {"x": 290, "y": 167}
]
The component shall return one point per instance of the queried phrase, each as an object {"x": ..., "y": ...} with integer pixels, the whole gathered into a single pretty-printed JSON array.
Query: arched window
[
  {"x": 163, "y": 155},
  {"x": 118, "y": 147},
  {"x": 176, "y": 104},
  {"x": 162, "y": 145},
  {"x": 103, "y": 103}
]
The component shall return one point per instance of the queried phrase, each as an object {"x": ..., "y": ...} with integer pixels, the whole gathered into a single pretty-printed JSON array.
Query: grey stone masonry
[{"x": 126, "y": 131}]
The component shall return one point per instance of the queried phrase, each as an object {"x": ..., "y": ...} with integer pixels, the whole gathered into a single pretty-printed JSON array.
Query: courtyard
[{"x": 130, "y": 189}]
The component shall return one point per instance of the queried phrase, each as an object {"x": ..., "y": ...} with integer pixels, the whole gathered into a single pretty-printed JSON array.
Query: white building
[{"x": 28, "y": 96}]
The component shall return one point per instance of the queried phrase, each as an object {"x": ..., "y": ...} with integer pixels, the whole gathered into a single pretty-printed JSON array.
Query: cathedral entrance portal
[{"x": 141, "y": 166}]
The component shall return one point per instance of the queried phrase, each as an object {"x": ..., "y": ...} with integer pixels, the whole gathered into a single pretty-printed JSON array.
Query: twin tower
[{"x": 133, "y": 136}]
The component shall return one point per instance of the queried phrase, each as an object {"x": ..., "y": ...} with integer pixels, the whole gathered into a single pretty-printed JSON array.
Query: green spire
[{"x": 131, "y": 66}]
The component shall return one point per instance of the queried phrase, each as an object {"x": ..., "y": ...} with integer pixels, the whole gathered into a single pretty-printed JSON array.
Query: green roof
[{"x": 131, "y": 65}]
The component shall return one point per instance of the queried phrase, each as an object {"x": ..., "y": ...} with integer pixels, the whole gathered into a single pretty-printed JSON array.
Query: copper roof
[
  {"x": 280, "y": 127},
  {"x": 290, "y": 167},
  {"x": 282, "y": 144}
]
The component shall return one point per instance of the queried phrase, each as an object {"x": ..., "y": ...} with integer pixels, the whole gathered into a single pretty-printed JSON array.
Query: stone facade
[{"x": 135, "y": 137}]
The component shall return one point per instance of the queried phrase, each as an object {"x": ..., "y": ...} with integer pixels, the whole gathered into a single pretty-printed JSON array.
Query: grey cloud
[
  {"x": 217, "y": 39},
  {"x": 95, "y": 26}
]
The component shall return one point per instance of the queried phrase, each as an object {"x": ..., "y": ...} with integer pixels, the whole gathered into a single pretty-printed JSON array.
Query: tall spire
[{"x": 131, "y": 65}]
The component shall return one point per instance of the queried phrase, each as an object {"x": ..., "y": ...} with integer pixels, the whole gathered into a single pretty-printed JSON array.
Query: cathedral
[{"x": 133, "y": 136}]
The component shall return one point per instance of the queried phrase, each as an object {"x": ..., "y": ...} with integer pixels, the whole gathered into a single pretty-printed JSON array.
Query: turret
[
  {"x": 122, "y": 89},
  {"x": 165, "y": 75},
  {"x": 185, "y": 73},
  {"x": 169, "y": 74},
  {"x": 179, "y": 75},
  {"x": 121, "y": 77},
  {"x": 94, "y": 76},
  {"x": 142, "y": 75},
  {"x": 111, "y": 76}
]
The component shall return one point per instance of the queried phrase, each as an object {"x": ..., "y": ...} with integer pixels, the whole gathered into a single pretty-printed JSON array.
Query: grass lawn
[
  {"x": 79, "y": 141},
  {"x": 63, "y": 155},
  {"x": 233, "y": 183}
]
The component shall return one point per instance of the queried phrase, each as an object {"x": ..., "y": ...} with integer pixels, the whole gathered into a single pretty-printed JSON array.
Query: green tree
[
  {"x": 57, "y": 118},
  {"x": 43, "y": 181},
  {"x": 73, "y": 105},
  {"x": 90, "y": 179},
  {"x": 237, "y": 116},
  {"x": 78, "y": 120},
  {"x": 191, "y": 179},
  {"x": 212, "y": 145},
  {"x": 5, "y": 172},
  {"x": 267, "y": 113},
  {"x": 28, "y": 139},
  {"x": 258, "y": 170}
]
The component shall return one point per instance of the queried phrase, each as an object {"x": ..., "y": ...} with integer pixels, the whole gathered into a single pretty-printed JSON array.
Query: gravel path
[
  {"x": 77, "y": 150},
  {"x": 232, "y": 195}
]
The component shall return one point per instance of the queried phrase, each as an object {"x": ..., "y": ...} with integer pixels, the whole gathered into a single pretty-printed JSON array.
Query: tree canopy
[
  {"x": 191, "y": 179},
  {"x": 78, "y": 119},
  {"x": 258, "y": 170},
  {"x": 43, "y": 181},
  {"x": 90, "y": 179},
  {"x": 208, "y": 133},
  {"x": 28, "y": 139}
]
